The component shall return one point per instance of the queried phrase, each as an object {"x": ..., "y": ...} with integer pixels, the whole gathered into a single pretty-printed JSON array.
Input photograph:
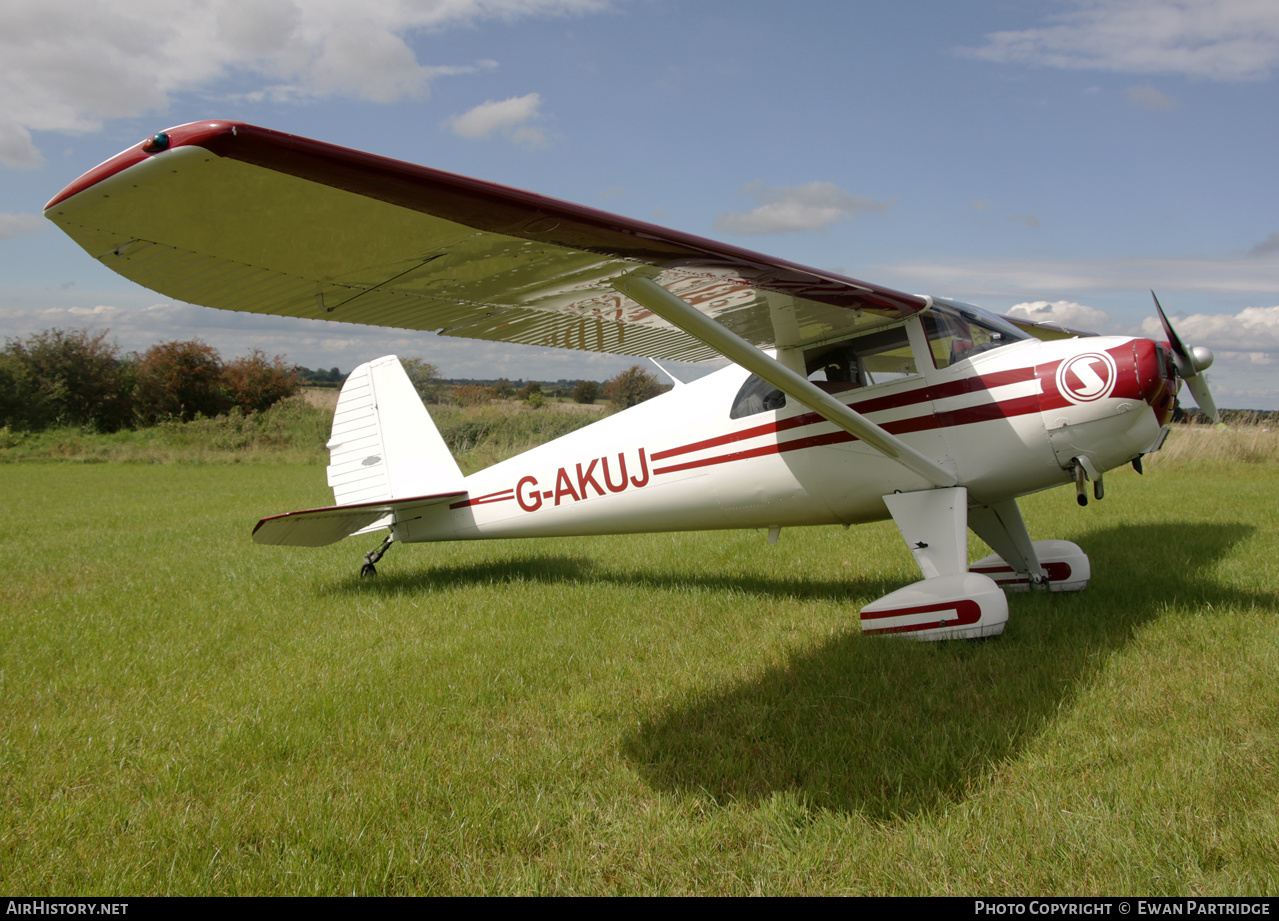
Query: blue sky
[{"x": 1055, "y": 158}]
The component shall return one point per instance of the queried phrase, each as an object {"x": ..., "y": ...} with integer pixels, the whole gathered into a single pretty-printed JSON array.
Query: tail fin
[{"x": 384, "y": 445}]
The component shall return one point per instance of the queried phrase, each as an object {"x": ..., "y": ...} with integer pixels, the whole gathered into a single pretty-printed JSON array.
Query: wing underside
[{"x": 242, "y": 218}]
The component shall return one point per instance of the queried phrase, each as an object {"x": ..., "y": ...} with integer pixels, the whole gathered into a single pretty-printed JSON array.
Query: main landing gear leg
[
  {"x": 1020, "y": 565},
  {"x": 368, "y": 570},
  {"x": 950, "y": 602},
  {"x": 1016, "y": 562}
]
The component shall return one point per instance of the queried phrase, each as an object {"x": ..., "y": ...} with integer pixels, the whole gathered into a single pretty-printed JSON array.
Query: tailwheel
[{"x": 368, "y": 570}]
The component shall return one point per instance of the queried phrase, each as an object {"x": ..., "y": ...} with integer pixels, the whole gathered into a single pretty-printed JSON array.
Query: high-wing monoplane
[{"x": 845, "y": 402}]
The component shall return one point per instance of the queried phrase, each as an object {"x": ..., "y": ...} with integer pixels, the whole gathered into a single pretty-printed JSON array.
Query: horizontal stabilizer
[{"x": 319, "y": 526}]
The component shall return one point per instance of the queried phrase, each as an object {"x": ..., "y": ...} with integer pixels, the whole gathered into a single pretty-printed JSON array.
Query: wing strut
[{"x": 644, "y": 290}]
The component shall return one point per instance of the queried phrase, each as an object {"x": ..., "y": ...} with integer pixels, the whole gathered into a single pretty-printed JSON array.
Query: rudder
[{"x": 384, "y": 444}]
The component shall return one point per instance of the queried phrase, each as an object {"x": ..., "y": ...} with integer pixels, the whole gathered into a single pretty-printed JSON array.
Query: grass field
[{"x": 186, "y": 712}]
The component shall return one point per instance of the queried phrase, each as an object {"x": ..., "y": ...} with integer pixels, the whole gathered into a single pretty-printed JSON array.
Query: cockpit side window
[
  {"x": 834, "y": 368},
  {"x": 865, "y": 361},
  {"x": 884, "y": 355}
]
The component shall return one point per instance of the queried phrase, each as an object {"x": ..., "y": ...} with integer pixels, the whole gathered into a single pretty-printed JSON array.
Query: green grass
[
  {"x": 294, "y": 431},
  {"x": 290, "y": 432},
  {"x": 1218, "y": 445},
  {"x": 186, "y": 712}
]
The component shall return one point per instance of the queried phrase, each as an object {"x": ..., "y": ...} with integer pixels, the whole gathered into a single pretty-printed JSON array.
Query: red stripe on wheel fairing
[
  {"x": 1057, "y": 572},
  {"x": 966, "y": 611}
]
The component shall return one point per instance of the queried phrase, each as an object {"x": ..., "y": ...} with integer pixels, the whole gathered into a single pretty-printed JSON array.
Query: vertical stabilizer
[{"x": 384, "y": 445}]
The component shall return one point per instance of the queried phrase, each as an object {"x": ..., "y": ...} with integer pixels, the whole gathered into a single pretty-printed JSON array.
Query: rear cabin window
[{"x": 756, "y": 396}]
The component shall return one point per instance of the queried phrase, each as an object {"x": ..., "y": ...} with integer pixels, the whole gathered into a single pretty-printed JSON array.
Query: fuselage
[{"x": 1007, "y": 422}]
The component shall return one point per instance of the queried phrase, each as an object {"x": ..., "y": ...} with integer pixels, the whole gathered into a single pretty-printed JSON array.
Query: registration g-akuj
[{"x": 846, "y": 402}]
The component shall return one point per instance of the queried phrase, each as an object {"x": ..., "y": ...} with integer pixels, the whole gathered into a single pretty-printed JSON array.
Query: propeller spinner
[{"x": 1191, "y": 363}]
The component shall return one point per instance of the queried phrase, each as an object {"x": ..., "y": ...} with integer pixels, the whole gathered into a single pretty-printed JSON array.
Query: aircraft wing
[{"x": 238, "y": 217}]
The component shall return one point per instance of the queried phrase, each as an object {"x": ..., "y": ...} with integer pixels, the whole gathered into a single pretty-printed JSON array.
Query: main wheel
[{"x": 368, "y": 571}]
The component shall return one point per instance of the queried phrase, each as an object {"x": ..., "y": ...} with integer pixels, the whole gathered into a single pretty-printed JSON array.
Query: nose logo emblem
[{"x": 1087, "y": 377}]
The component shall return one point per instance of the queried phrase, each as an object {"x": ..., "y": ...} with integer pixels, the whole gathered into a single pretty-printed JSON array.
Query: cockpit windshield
[{"x": 957, "y": 331}]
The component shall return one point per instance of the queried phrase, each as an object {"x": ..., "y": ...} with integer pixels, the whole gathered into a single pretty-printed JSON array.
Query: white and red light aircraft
[{"x": 847, "y": 402}]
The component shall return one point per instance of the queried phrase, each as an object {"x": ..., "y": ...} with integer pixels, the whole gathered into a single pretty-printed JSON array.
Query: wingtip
[{"x": 192, "y": 133}]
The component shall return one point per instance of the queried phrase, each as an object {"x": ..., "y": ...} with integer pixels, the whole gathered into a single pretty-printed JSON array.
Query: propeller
[{"x": 1191, "y": 363}]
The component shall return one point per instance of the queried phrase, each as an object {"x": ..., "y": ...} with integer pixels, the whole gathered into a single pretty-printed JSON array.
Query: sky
[{"x": 1056, "y": 159}]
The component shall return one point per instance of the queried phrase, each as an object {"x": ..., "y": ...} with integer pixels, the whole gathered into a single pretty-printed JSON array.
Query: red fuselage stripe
[
  {"x": 500, "y": 496},
  {"x": 916, "y": 396},
  {"x": 1018, "y": 406}
]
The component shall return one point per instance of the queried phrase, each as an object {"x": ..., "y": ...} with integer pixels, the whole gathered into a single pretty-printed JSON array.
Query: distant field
[
  {"x": 327, "y": 398},
  {"x": 186, "y": 712},
  {"x": 321, "y": 397}
]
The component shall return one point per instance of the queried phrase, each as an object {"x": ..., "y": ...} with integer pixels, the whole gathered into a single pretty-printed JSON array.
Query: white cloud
[
  {"x": 508, "y": 117},
  {"x": 786, "y": 209},
  {"x": 15, "y": 225},
  {"x": 367, "y": 62},
  {"x": 1147, "y": 97},
  {"x": 1217, "y": 39},
  {"x": 16, "y": 148},
  {"x": 67, "y": 66},
  {"x": 1028, "y": 219},
  {"x": 1063, "y": 313},
  {"x": 528, "y": 137},
  {"x": 1253, "y": 330},
  {"x": 1241, "y": 276}
]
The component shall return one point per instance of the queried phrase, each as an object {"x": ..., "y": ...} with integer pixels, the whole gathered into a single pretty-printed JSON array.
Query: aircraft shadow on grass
[
  {"x": 884, "y": 727},
  {"x": 552, "y": 568},
  {"x": 889, "y": 728}
]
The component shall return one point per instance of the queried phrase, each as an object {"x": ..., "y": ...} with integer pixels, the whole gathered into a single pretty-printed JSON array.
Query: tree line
[
  {"x": 75, "y": 377},
  {"x": 80, "y": 378},
  {"x": 626, "y": 389}
]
